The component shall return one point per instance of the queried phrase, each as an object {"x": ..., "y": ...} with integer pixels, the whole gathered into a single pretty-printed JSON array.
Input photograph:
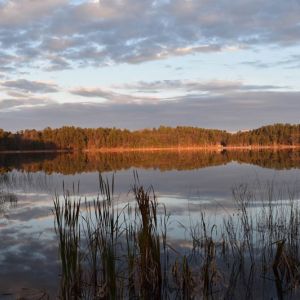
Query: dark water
[{"x": 187, "y": 182}]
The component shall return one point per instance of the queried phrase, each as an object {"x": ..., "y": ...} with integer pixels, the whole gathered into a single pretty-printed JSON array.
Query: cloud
[
  {"x": 13, "y": 105},
  {"x": 22, "y": 12},
  {"x": 291, "y": 62},
  {"x": 54, "y": 35},
  {"x": 92, "y": 93},
  {"x": 62, "y": 34},
  {"x": 215, "y": 86},
  {"x": 8, "y": 103},
  {"x": 28, "y": 86},
  {"x": 111, "y": 96},
  {"x": 152, "y": 92},
  {"x": 231, "y": 111},
  {"x": 257, "y": 64}
]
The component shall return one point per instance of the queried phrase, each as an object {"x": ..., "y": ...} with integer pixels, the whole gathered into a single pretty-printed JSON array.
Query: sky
[{"x": 225, "y": 64}]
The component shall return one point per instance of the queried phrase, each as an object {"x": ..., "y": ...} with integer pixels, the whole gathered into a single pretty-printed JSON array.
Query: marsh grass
[
  {"x": 67, "y": 227},
  {"x": 108, "y": 252}
]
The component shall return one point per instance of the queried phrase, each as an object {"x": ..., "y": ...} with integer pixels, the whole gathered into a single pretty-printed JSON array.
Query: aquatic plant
[{"x": 109, "y": 251}]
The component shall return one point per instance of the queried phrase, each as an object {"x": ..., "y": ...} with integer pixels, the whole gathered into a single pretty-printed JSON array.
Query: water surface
[{"x": 186, "y": 182}]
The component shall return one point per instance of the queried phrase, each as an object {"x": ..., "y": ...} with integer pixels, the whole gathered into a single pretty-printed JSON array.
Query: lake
[{"x": 188, "y": 183}]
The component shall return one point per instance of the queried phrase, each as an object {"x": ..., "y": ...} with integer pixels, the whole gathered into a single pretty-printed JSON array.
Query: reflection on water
[
  {"x": 164, "y": 160},
  {"x": 7, "y": 200},
  {"x": 187, "y": 182}
]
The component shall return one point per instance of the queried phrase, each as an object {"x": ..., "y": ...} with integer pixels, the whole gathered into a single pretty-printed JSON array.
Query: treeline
[{"x": 75, "y": 138}]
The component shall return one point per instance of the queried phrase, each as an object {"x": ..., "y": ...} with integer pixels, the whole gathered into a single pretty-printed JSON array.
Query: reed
[
  {"x": 67, "y": 227},
  {"x": 113, "y": 252}
]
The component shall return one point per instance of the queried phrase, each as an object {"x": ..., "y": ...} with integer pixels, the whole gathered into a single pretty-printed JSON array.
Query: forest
[{"x": 70, "y": 138}]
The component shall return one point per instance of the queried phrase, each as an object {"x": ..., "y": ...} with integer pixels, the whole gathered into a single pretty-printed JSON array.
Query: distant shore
[
  {"x": 193, "y": 148},
  {"x": 154, "y": 149}
]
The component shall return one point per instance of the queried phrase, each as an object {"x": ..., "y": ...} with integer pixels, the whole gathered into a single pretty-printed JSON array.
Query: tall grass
[
  {"x": 68, "y": 230},
  {"x": 108, "y": 252}
]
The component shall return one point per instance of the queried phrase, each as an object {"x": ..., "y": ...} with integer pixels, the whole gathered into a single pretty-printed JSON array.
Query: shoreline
[
  {"x": 157, "y": 149},
  {"x": 196, "y": 148}
]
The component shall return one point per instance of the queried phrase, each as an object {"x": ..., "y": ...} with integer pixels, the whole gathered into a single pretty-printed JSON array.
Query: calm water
[{"x": 187, "y": 182}]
